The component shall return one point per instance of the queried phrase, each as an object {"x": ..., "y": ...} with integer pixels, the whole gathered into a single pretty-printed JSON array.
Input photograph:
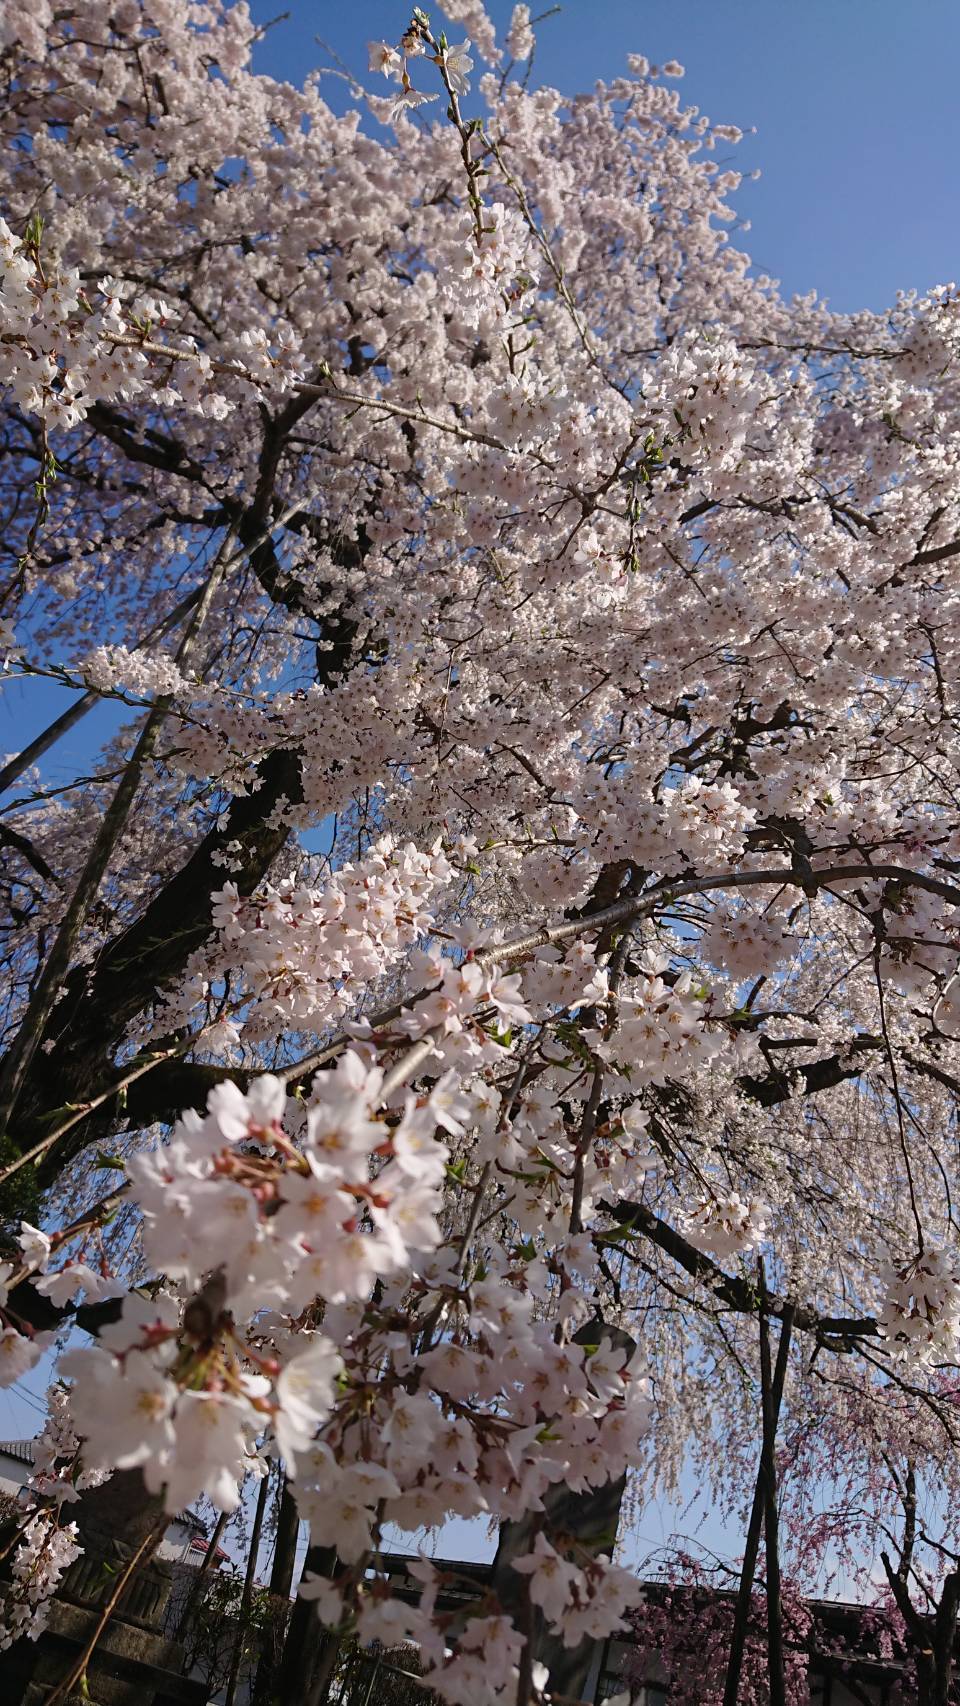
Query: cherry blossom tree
[{"x": 506, "y": 954}]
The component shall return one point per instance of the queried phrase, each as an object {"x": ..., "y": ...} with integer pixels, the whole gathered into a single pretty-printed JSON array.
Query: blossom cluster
[
  {"x": 484, "y": 275},
  {"x": 932, "y": 342},
  {"x": 691, "y": 823},
  {"x": 44, "y": 1551},
  {"x": 302, "y": 951},
  {"x": 920, "y": 1315},
  {"x": 21, "y": 1351},
  {"x": 430, "y": 1388},
  {"x": 141, "y": 672},
  {"x": 585, "y": 1603},
  {"x": 392, "y": 63},
  {"x": 724, "y": 1224},
  {"x": 46, "y": 1546},
  {"x": 277, "y": 1226},
  {"x": 520, "y": 37},
  {"x": 715, "y": 395},
  {"x": 746, "y": 942},
  {"x": 661, "y": 1030},
  {"x": 64, "y": 348}
]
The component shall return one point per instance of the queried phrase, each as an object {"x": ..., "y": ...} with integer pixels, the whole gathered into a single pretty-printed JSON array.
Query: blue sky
[{"x": 854, "y": 101}]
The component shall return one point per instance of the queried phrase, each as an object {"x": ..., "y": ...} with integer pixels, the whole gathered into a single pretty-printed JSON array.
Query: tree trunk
[
  {"x": 738, "y": 1639},
  {"x": 118, "y": 1515},
  {"x": 281, "y": 1583},
  {"x": 944, "y": 1640},
  {"x": 771, "y": 1524},
  {"x": 593, "y": 1518},
  {"x": 285, "y": 1552},
  {"x": 247, "y": 1595},
  {"x": 310, "y": 1649}
]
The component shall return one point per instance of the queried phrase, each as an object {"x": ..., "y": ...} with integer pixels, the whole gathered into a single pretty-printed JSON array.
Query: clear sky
[{"x": 854, "y": 102}]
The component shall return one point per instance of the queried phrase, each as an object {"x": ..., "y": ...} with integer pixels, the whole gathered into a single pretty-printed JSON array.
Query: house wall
[
  {"x": 175, "y": 1544},
  {"x": 13, "y": 1476},
  {"x": 837, "y": 1694},
  {"x": 833, "y": 1692}
]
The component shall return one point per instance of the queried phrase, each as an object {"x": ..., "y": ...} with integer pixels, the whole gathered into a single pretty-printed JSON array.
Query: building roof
[
  {"x": 19, "y": 1449},
  {"x": 466, "y": 1580},
  {"x": 190, "y": 1519},
  {"x": 844, "y": 1622},
  {"x": 22, "y": 1451},
  {"x": 198, "y": 1548}
]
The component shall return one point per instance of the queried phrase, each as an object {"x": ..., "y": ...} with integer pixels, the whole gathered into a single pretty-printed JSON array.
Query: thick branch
[{"x": 736, "y": 1294}]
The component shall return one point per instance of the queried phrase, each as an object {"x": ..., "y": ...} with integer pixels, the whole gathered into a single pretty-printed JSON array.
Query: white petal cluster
[
  {"x": 714, "y": 393},
  {"x": 140, "y": 672},
  {"x": 65, "y": 347},
  {"x": 42, "y": 1554},
  {"x": 45, "y": 1545},
  {"x": 726, "y": 1225},
  {"x": 484, "y": 275},
  {"x": 524, "y": 411},
  {"x": 920, "y": 1317},
  {"x": 303, "y": 951},
  {"x": 520, "y": 37},
  {"x": 583, "y": 1604},
  {"x": 482, "y": 1422},
  {"x": 278, "y": 1226},
  {"x": 692, "y": 823},
  {"x": 932, "y": 342},
  {"x": 746, "y": 943},
  {"x": 661, "y": 1030}
]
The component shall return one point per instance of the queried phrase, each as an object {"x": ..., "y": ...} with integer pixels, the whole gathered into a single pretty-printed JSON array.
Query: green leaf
[{"x": 114, "y": 1162}]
